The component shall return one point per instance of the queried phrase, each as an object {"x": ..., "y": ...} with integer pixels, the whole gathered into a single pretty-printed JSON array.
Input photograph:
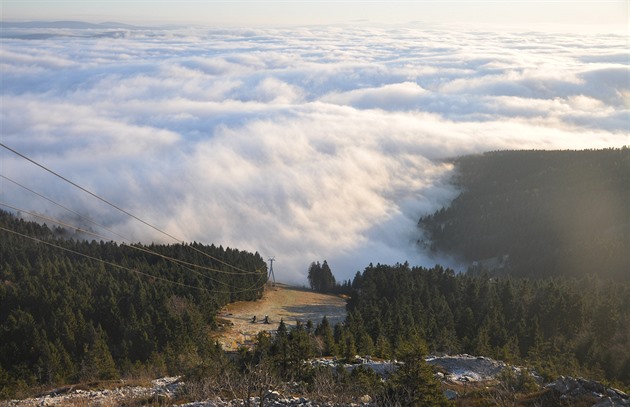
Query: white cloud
[
  {"x": 305, "y": 144},
  {"x": 396, "y": 96},
  {"x": 271, "y": 90}
]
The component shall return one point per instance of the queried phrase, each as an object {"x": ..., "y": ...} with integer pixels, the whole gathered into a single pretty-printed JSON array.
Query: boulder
[
  {"x": 450, "y": 394},
  {"x": 571, "y": 390},
  {"x": 272, "y": 395}
]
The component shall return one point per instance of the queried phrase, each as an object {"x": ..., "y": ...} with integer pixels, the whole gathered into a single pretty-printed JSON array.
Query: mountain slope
[
  {"x": 539, "y": 213},
  {"x": 281, "y": 302},
  {"x": 73, "y": 310}
]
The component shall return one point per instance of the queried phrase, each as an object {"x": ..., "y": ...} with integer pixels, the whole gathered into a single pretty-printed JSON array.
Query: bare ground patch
[{"x": 290, "y": 304}]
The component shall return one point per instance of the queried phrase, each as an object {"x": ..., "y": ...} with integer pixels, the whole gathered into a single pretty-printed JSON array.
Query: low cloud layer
[{"x": 303, "y": 144}]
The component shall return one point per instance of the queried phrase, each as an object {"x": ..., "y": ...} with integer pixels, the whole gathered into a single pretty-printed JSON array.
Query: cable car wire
[{"x": 116, "y": 206}]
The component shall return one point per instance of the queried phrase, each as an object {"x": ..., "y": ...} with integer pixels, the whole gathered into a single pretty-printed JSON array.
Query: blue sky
[{"x": 522, "y": 14}]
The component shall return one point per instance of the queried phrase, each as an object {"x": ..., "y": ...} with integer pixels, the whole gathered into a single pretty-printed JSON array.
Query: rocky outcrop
[
  {"x": 381, "y": 367},
  {"x": 466, "y": 368},
  {"x": 290, "y": 401},
  {"x": 160, "y": 390},
  {"x": 455, "y": 371},
  {"x": 572, "y": 390}
]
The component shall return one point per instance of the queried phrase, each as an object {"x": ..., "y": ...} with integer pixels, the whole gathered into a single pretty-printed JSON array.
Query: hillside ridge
[{"x": 538, "y": 214}]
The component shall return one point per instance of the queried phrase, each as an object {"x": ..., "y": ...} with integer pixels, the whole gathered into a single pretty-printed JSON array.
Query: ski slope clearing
[{"x": 280, "y": 302}]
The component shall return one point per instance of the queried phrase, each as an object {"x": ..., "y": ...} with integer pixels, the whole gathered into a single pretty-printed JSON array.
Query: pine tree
[
  {"x": 382, "y": 347},
  {"x": 321, "y": 278},
  {"x": 280, "y": 348},
  {"x": 300, "y": 347},
  {"x": 328, "y": 282},
  {"x": 314, "y": 275},
  {"x": 325, "y": 332},
  {"x": 97, "y": 362},
  {"x": 414, "y": 384}
]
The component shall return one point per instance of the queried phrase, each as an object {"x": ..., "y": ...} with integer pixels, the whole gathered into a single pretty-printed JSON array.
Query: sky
[
  {"x": 304, "y": 140},
  {"x": 507, "y": 13}
]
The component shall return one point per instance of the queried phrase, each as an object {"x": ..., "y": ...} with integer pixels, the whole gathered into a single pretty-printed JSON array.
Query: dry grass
[{"x": 290, "y": 304}]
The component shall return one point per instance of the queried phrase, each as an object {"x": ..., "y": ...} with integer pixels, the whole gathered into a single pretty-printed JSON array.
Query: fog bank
[{"x": 303, "y": 144}]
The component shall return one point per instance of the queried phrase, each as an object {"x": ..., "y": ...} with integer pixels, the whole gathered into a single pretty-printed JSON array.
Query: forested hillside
[
  {"x": 558, "y": 326},
  {"x": 97, "y": 310},
  {"x": 539, "y": 213}
]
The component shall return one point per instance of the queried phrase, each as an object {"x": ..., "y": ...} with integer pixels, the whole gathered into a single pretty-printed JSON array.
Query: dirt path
[{"x": 280, "y": 302}]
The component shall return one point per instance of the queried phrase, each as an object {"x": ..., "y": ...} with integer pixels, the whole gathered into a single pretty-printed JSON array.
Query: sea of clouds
[{"x": 304, "y": 143}]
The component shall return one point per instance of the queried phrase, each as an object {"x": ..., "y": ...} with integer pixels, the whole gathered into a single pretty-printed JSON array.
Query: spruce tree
[{"x": 414, "y": 384}]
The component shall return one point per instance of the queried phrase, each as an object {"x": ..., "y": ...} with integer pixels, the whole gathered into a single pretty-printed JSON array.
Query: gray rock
[
  {"x": 573, "y": 389},
  {"x": 451, "y": 394},
  {"x": 272, "y": 395}
]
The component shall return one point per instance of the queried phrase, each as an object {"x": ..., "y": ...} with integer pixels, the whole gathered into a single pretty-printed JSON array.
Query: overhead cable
[
  {"x": 64, "y": 207},
  {"x": 104, "y": 227},
  {"x": 116, "y": 206},
  {"x": 131, "y": 246},
  {"x": 251, "y": 288},
  {"x": 100, "y": 260}
]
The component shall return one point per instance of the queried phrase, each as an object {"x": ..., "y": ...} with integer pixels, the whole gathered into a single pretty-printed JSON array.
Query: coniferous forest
[
  {"x": 558, "y": 326},
  {"x": 546, "y": 234},
  {"x": 66, "y": 317},
  {"x": 539, "y": 214}
]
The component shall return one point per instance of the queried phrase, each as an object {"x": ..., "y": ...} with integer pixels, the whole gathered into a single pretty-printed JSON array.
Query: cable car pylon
[{"x": 271, "y": 275}]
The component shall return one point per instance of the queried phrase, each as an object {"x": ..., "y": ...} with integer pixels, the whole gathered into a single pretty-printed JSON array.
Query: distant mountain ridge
[
  {"x": 539, "y": 214},
  {"x": 66, "y": 24},
  {"x": 42, "y": 30}
]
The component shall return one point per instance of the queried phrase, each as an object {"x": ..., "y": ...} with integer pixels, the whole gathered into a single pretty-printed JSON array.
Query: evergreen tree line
[
  {"x": 67, "y": 318},
  {"x": 280, "y": 358},
  {"x": 558, "y": 326},
  {"x": 321, "y": 278},
  {"x": 539, "y": 214}
]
